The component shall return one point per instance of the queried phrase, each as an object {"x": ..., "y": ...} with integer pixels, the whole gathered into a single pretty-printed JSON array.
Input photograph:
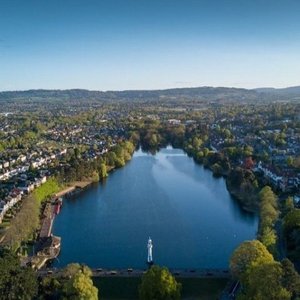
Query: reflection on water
[{"x": 190, "y": 216}]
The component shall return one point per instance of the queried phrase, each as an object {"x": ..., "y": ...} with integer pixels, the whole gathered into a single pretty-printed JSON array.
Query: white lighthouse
[{"x": 150, "y": 246}]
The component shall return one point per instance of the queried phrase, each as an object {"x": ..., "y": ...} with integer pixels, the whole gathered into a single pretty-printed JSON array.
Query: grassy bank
[
  {"x": 122, "y": 288},
  {"x": 46, "y": 190}
]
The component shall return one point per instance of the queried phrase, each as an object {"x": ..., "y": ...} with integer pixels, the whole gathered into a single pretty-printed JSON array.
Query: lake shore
[{"x": 70, "y": 188}]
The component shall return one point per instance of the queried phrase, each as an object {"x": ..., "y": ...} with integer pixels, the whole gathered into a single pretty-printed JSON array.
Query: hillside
[{"x": 205, "y": 94}]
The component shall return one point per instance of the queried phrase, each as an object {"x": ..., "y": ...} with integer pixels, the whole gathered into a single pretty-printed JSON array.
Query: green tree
[
  {"x": 135, "y": 137},
  {"x": 16, "y": 282},
  {"x": 268, "y": 216},
  {"x": 248, "y": 150},
  {"x": 216, "y": 169},
  {"x": 111, "y": 158},
  {"x": 264, "y": 282},
  {"x": 153, "y": 140},
  {"x": 72, "y": 269},
  {"x": 23, "y": 226},
  {"x": 292, "y": 220},
  {"x": 291, "y": 225},
  {"x": 226, "y": 133},
  {"x": 197, "y": 142},
  {"x": 128, "y": 146},
  {"x": 159, "y": 284},
  {"x": 290, "y": 278},
  {"x": 103, "y": 171},
  {"x": 288, "y": 205},
  {"x": 49, "y": 288},
  {"x": 268, "y": 237},
  {"x": 77, "y": 283},
  {"x": 80, "y": 287},
  {"x": 290, "y": 161},
  {"x": 247, "y": 254},
  {"x": 95, "y": 176},
  {"x": 119, "y": 162}
]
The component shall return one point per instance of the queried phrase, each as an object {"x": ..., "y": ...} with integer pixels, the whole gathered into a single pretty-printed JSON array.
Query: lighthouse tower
[{"x": 150, "y": 246}]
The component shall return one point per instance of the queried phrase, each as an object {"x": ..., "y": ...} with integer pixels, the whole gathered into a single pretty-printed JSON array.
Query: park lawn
[
  {"x": 202, "y": 288},
  {"x": 125, "y": 288}
]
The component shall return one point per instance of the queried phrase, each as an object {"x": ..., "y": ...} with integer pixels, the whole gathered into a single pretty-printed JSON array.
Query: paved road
[
  {"x": 281, "y": 247},
  {"x": 186, "y": 273}
]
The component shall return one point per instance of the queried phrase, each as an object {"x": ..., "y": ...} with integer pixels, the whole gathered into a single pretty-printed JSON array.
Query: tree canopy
[
  {"x": 291, "y": 278},
  {"x": 72, "y": 282},
  {"x": 16, "y": 282},
  {"x": 268, "y": 217},
  {"x": 264, "y": 282},
  {"x": 80, "y": 287},
  {"x": 159, "y": 284},
  {"x": 246, "y": 255}
]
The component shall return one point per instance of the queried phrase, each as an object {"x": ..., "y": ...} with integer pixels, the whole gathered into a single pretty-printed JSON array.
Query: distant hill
[
  {"x": 289, "y": 91},
  {"x": 205, "y": 94}
]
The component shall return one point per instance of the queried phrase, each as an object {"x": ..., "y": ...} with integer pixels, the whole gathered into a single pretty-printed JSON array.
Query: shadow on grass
[{"x": 120, "y": 288}]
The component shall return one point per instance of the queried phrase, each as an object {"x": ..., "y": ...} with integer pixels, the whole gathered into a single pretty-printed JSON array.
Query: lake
[{"x": 189, "y": 214}]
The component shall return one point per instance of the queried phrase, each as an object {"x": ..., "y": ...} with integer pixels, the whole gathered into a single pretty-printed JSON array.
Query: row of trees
[
  {"x": 261, "y": 276},
  {"x": 78, "y": 168},
  {"x": 268, "y": 214},
  {"x": 243, "y": 184},
  {"x": 291, "y": 226},
  {"x": 72, "y": 282},
  {"x": 24, "y": 225},
  {"x": 153, "y": 134}
]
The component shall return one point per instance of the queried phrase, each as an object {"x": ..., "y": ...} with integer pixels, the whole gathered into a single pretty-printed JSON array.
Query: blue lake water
[{"x": 189, "y": 214}]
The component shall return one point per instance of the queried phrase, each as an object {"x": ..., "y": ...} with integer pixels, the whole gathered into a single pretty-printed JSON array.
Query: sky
[{"x": 148, "y": 44}]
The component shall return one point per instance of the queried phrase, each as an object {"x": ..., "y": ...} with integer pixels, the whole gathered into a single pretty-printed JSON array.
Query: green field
[{"x": 122, "y": 288}]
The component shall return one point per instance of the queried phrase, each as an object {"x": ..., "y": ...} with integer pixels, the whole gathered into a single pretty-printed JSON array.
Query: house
[
  {"x": 296, "y": 199},
  {"x": 22, "y": 158},
  {"x": 34, "y": 164},
  {"x": 39, "y": 181},
  {"x": 174, "y": 121},
  {"x": 270, "y": 174},
  {"x": 63, "y": 152},
  {"x": 5, "y": 164},
  {"x": 14, "y": 197},
  {"x": 26, "y": 186}
]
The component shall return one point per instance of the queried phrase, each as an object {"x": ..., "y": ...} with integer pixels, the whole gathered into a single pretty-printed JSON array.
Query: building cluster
[
  {"x": 89, "y": 136},
  {"x": 274, "y": 145},
  {"x": 285, "y": 180},
  {"x": 20, "y": 163},
  {"x": 21, "y": 172},
  {"x": 13, "y": 193}
]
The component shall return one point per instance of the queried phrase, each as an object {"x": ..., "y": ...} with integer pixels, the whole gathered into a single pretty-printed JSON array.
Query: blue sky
[{"x": 148, "y": 44}]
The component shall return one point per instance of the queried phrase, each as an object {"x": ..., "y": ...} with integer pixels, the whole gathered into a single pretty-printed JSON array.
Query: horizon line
[{"x": 158, "y": 89}]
